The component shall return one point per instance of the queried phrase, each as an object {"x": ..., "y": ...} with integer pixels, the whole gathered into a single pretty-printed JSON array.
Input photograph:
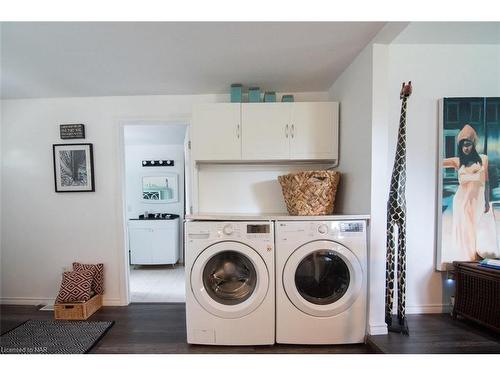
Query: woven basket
[{"x": 310, "y": 193}]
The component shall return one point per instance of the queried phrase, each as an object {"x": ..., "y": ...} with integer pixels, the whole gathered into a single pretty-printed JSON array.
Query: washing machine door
[
  {"x": 229, "y": 279},
  {"x": 322, "y": 278}
]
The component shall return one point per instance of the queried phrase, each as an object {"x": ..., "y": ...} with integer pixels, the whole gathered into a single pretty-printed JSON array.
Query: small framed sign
[{"x": 72, "y": 131}]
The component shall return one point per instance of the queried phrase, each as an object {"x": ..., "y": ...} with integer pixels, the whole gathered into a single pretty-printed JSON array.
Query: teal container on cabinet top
[
  {"x": 270, "y": 97},
  {"x": 287, "y": 98},
  {"x": 254, "y": 95},
  {"x": 236, "y": 93}
]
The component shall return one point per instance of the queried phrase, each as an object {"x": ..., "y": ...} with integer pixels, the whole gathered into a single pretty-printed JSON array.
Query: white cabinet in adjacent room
[
  {"x": 153, "y": 241},
  {"x": 216, "y": 131},
  {"x": 140, "y": 242}
]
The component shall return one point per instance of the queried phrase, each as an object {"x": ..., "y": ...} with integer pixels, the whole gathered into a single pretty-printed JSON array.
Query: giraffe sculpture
[{"x": 396, "y": 217}]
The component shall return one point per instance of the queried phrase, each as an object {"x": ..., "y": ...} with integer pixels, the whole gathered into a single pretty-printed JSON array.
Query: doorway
[{"x": 154, "y": 178}]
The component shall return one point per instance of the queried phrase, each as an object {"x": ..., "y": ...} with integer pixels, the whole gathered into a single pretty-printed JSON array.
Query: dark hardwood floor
[
  {"x": 161, "y": 328},
  {"x": 438, "y": 334}
]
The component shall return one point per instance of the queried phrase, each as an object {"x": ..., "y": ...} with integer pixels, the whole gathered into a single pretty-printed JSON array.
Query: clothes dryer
[{"x": 321, "y": 282}]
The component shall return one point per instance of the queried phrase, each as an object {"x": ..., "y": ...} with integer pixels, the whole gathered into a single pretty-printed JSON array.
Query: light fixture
[{"x": 158, "y": 163}]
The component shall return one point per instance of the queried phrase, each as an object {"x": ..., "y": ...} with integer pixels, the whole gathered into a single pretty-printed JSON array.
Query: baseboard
[
  {"x": 33, "y": 301},
  {"x": 427, "y": 309},
  {"x": 381, "y": 329},
  {"x": 377, "y": 329},
  {"x": 112, "y": 302}
]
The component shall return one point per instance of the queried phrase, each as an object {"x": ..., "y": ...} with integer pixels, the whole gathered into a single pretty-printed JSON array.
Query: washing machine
[
  {"x": 321, "y": 282},
  {"x": 230, "y": 288}
]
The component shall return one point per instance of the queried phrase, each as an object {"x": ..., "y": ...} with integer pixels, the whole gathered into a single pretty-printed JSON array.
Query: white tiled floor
[{"x": 157, "y": 284}]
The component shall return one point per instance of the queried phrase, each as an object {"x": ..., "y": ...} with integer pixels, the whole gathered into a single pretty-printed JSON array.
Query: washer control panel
[
  {"x": 258, "y": 228},
  {"x": 323, "y": 229},
  {"x": 236, "y": 231},
  {"x": 228, "y": 229}
]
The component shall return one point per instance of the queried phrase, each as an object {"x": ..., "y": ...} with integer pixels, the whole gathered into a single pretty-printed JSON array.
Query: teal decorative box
[
  {"x": 254, "y": 95},
  {"x": 236, "y": 93},
  {"x": 270, "y": 96},
  {"x": 287, "y": 98}
]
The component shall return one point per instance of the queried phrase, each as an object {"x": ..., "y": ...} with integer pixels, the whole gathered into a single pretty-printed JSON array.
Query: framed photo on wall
[
  {"x": 73, "y": 167},
  {"x": 469, "y": 180}
]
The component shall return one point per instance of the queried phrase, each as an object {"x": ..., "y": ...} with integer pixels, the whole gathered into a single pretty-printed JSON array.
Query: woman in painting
[{"x": 474, "y": 230}]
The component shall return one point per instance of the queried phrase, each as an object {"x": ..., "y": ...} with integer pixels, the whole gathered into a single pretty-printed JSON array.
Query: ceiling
[
  {"x": 450, "y": 33},
  {"x": 127, "y": 58}
]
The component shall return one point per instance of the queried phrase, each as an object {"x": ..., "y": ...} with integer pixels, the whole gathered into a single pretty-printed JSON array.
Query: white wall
[
  {"x": 1, "y": 156},
  {"x": 379, "y": 191},
  {"x": 353, "y": 90},
  {"x": 44, "y": 231},
  {"x": 361, "y": 119},
  {"x": 372, "y": 82},
  {"x": 436, "y": 71},
  {"x": 252, "y": 189},
  {"x": 363, "y": 155}
]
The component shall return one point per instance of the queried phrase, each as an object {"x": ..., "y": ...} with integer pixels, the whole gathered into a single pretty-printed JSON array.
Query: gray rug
[{"x": 53, "y": 337}]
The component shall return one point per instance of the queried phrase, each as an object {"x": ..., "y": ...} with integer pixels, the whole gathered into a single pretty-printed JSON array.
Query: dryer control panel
[
  {"x": 292, "y": 230},
  {"x": 351, "y": 226},
  {"x": 236, "y": 231}
]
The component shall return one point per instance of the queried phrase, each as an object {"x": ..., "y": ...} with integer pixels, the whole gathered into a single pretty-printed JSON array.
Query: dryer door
[
  {"x": 229, "y": 279},
  {"x": 322, "y": 278}
]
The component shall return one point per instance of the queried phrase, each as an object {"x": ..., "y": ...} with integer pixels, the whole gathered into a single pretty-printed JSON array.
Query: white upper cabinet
[
  {"x": 216, "y": 132},
  {"x": 266, "y": 131},
  {"x": 314, "y": 131}
]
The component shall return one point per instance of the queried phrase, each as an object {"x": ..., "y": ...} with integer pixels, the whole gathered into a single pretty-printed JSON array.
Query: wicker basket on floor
[
  {"x": 310, "y": 193},
  {"x": 78, "y": 310}
]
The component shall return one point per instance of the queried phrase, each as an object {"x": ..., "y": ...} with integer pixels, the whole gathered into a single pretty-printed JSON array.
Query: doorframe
[{"x": 121, "y": 203}]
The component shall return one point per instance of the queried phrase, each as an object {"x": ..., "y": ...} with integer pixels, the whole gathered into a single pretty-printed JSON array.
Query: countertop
[{"x": 278, "y": 216}]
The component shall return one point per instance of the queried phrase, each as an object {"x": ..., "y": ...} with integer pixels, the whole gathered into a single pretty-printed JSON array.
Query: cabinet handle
[
  {"x": 286, "y": 131},
  {"x": 293, "y": 130},
  {"x": 238, "y": 131}
]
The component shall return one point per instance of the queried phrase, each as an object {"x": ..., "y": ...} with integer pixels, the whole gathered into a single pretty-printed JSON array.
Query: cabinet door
[
  {"x": 266, "y": 131},
  {"x": 314, "y": 131},
  {"x": 165, "y": 245},
  {"x": 140, "y": 245},
  {"x": 216, "y": 131}
]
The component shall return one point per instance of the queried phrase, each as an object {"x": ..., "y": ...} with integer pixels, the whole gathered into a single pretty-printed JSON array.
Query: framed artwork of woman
[{"x": 469, "y": 199}]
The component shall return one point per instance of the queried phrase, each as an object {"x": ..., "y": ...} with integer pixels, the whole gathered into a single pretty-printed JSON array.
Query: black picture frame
[{"x": 73, "y": 167}]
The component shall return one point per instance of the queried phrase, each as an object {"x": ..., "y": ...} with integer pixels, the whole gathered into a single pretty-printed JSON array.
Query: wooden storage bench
[
  {"x": 477, "y": 294},
  {"x": 78, "y": 310}
]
